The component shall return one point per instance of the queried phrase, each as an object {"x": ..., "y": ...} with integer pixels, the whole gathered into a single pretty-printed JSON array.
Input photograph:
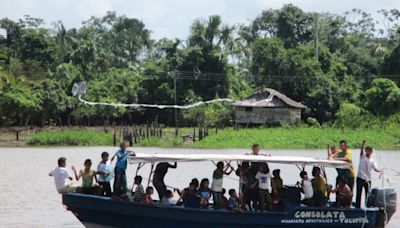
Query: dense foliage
[{"x": 340, "y": 66}]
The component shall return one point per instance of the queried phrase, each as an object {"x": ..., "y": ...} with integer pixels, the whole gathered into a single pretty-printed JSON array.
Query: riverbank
[{"x": 276, "y": 138}]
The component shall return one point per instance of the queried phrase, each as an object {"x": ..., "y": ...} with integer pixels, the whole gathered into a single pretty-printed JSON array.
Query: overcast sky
[{"x": 172, "y": 18}]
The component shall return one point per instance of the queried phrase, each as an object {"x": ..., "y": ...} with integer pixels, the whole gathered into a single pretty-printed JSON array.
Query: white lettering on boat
[{"x": 324, "y": 217}]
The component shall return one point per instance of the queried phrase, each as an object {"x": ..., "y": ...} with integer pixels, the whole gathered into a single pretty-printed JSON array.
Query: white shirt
[
  {"x": 365, "y": 166},
  {"x": 264, "y": 180},
  {"x": 61, "y": 176},
  {"x": 101, "y": 168},
  {"x": 216, "y": 185},
  {"x": 307, "y": 188}
]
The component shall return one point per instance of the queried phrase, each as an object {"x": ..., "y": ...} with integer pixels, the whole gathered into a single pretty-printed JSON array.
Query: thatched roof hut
[{"x": 267, "y": 106}]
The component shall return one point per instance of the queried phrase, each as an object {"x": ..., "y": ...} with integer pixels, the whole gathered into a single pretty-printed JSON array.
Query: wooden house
[{"x": 267, "y": 106}]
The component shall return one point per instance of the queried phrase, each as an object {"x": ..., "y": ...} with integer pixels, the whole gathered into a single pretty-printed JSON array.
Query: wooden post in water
[
  {"x": 200, "y": 134},
  {"x": 115, "y": 137}
]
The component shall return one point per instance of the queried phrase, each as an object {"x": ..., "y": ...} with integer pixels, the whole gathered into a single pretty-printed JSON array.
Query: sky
[{"x": 172, "y": 18}]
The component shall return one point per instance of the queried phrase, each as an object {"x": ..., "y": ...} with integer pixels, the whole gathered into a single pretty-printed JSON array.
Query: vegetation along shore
[{"x": 276, "y": 138}]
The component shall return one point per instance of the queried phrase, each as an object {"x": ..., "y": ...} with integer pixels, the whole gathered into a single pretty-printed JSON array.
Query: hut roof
[{"x": 264, "y": 98}]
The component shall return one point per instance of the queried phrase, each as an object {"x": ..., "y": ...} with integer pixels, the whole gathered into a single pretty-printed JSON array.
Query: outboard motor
[{"x": 386, "y": 200}]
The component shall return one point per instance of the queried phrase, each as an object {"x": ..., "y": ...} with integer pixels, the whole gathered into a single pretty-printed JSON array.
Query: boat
[{"x": 98, "y": 211}]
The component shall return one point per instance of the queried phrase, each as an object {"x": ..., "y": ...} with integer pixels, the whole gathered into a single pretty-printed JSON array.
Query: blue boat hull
[{"x": 95, "y": 211}]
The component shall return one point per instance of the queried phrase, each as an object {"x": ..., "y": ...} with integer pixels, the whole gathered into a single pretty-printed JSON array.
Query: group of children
[{"x": 259, "y": 189}]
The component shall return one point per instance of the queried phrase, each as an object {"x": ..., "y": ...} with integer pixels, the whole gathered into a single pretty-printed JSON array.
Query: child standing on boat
[
  {"x": 263, "y": 178},
  {"x": 120, "y": 167},
  {"x": 217, "y": 183},
  {"x": 102, "y": 177},
  {"x": 277, "y": 188}
]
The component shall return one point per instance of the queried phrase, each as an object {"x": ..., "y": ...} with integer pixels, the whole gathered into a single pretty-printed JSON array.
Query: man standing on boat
[
  {"x": 158, "y": 178},
  {"x": 120, "y": 177},
  {"x": 367, "y": 163},
  {"x": 345, "y": 155}
]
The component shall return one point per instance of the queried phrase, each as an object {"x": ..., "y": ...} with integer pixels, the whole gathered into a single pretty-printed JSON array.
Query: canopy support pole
[
  {"x": 151, "y": 173},
  {"x": 140, "y": 165}
]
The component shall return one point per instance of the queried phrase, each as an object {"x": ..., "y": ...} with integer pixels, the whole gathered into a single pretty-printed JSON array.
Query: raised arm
[
  {"x": 362, "y": 148},
  {"x": 112, "y": 158},
  {"x": 226, "y": 169},
  {"x": 76, "y": 174},
  {"x": 174, "y": 166},
  {"x": 328, "y": 149}
]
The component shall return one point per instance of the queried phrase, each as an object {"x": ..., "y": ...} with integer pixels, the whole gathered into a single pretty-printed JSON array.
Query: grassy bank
[
  {"x": 288, "y": 138},
  {"x": 303, "y": 138},
  {"x": 71, "y": 138}
]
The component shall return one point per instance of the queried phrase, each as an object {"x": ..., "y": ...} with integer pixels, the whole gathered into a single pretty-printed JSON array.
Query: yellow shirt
[
  {"x": 319, "y": 185},
  {"x": 87, "y": 177},
  {"x": 346, "y": 154}
]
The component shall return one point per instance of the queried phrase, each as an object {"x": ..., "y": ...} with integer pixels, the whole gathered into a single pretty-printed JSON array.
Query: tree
[{"x": 383, "y": 98}]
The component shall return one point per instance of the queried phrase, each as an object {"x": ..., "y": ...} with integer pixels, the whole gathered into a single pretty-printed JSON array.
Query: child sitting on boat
[
  {"x": 139, "y": 191},
  {"x": 224, "y": 200},
  {"x": 233, "y": 202},
  {"x": 147, "y": 199},
  {"x": 319, "y": 186},
  {"x": 216, "y": 185},
  {"x": 344, "y": 194},
  {"x": 87, "y": 175},
  {"x": 205, "y": 193},
  {"x": 306, "y": 188},
  {"x": 167, "y": 199},
  {"x": 62, "y": 178}
]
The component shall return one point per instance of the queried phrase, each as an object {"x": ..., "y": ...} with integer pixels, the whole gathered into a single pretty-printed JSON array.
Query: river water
[{"x": 28, "y": 197}]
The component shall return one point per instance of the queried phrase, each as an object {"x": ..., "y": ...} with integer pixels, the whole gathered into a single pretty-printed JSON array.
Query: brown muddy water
[{"x": 28, "y": 197}]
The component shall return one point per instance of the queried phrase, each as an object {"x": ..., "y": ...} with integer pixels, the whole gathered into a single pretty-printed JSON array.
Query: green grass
[
  {"x": 71, "y": 138},
  {"x": 276, "y": 138},
  {"x": 302, "y": 138}
]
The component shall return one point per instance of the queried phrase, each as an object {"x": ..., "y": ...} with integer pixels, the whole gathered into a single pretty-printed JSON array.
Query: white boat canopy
[{"x": 152, "y": 158}]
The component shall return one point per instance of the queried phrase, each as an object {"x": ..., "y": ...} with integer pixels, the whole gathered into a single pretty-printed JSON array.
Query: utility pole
[
  {"x": 175, "y": 109},
  {"x": 316, "y": 35}
]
